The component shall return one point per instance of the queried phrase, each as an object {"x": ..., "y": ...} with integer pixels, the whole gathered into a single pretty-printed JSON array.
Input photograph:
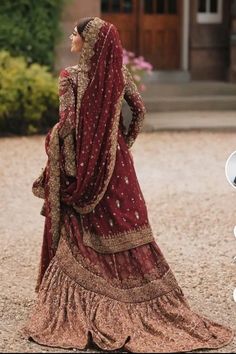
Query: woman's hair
[{"x": 82, "y": 23}]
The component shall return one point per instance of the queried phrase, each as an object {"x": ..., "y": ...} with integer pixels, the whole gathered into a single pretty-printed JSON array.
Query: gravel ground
[{"x": 191, "y": 208}]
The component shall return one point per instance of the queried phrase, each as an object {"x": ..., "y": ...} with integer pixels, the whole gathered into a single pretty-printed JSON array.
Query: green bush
[
  {"x": 28, "y": 96},
  {"x": 30, "y": 28}
]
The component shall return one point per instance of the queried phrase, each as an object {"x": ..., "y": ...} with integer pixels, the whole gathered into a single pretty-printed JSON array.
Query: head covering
[
  {"x": 99, "y": 99},
  {"x": 82, "y": 146},
  {"x": 82, "y": 24}
]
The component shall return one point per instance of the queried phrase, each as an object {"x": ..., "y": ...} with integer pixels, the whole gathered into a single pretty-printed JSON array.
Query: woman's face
[{"x": 76, "y": 41}]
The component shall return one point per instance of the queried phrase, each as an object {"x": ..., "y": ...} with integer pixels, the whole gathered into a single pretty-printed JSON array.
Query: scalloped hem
[
  {"x": 91, "y": 344},
  {"x": 66, "y": 314}
]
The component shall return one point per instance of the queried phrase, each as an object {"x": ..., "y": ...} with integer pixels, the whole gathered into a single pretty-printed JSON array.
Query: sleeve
[
  {"x": 136, "y": 104},
  {"x": 67, "y": 104},
  {"x": 67, "y": 119}
]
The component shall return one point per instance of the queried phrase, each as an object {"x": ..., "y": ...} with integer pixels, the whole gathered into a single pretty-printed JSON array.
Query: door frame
[
  {"x": 184, "y": 43},
  {"x": 184, "y": 34}
]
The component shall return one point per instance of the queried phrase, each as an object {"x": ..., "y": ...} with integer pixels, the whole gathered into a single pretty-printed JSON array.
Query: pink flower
[
  {"x": 131, "y": 54},
  {"x": 137, "y": 77},
  {"x": 125, "y": 60},
  {"x": 142, "y": 87},
  {"x": 138, "y": 67}
]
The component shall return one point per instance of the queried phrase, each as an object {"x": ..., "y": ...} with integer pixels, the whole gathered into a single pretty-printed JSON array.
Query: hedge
[
  {"x": 30, "y": 28},
  {"x": 28, "y": 96}
]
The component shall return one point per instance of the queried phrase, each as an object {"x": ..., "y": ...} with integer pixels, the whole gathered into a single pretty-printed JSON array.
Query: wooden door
[
  {"x": 150, "y": 28},
  {"x": 160, "y": 23},
  {"x": 124, "y": 15}
]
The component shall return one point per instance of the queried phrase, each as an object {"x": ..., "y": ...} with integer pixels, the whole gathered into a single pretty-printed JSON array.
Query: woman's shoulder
[{"x": 69, "y": 71}]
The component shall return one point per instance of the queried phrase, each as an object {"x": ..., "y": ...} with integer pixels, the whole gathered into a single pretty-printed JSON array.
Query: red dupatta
[
  {"x": 81, "y": 147},
  {"x": 99, "y": 98}
]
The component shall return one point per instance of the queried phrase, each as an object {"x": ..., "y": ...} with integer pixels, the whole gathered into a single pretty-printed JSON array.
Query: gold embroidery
[
  {"x": 38, "y": 188},
  {"x": 165, "y": 322},
  {"x": 113, "y": 137},
  {"x": 90, "y": 34},
  {"x": 120, "y": 241},
  {"x": 70, "y": 155},
  {"x": 67, "y": 100},
  {"x": 54, "y": 184},
  {"x": 65, "y": 129},
  {"x": 153, "y": 316},
  {"x": 65, "y": 97},
  {"x": 65, "y": 260},
  {"x": 43, "y": 210},
  {"x": 118, "y": 203},
  {"x": 130, "y": 281},
  {"x": 135, "y": 101},
  {"x": 130, "y": 86}
]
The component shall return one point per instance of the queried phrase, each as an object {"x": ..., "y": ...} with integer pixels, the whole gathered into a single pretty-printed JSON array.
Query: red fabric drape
[{"x": 98, "y": 120}]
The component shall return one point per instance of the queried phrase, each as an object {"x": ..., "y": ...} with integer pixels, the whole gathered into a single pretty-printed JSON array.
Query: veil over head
[
  {"x": 97, "y": 113},
  {"x": 82, "y": 146}
]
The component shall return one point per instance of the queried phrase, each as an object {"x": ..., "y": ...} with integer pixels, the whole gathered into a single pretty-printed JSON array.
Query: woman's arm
[
  {"x": 67, "y": 118},
  {"x": 134, "y": 100},
  {"x": 67, "y": 104}
]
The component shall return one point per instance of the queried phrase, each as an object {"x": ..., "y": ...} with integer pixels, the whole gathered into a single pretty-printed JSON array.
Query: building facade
[{"x": 197, "y": 37}]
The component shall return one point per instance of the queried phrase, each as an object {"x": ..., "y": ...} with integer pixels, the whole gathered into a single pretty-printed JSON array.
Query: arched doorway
[{"x": 151, "y": 28}]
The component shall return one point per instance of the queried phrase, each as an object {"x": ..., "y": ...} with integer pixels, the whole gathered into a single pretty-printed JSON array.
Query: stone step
[
  {"x": 184, "y": 120},
  {"x": 192, "y": 95},
  {"x": 177, "y": 76},
  {"x": 190, "y": 103},
  {"x": 194, "y": 88}
]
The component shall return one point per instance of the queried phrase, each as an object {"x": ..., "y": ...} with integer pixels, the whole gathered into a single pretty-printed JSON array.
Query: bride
[{"x": 102, "y": 275}]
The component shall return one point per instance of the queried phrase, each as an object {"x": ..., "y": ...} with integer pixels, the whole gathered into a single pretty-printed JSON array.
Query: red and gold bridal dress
[{"x": 102, "y": 275}]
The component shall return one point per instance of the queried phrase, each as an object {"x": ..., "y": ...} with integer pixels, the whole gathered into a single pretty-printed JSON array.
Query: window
[
  {"x": 210, "y": 11},
  {"x": 127, "y": 6},
  {"x": 148, "y": 7},
  {"x": 160, "y": 7},
  {"x": 105, "y": 6},
  {"x": 116, "y": 6}
]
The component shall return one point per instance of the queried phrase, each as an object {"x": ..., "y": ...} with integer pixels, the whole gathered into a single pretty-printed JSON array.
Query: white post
[{"x": 185, "y": 35}]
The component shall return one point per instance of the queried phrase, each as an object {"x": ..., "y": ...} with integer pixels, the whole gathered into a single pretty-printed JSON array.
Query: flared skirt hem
[{"x": 66, "y": 315}]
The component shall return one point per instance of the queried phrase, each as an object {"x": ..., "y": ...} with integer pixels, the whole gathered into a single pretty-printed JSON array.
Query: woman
[{"x": 102, "y": 273}]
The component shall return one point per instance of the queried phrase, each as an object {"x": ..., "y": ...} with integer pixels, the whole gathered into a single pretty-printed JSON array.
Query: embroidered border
[
  {"x": 133, "y": 95},
  {"x": 68, "y": 125},
  {"x": 65, "y": 129},
  {"x": 69, "y": 152},
  {"x": 90, "y": 37},
  {"x": 37, "y": 188},
  {"x": 91, "y": 33},
  {"x": 54, "y": 184},
  {"x": 54, "y": 147},
  {"x": 64, "y": 259},
  {"x": 88, "y": 208},
  {"x": 118, "y": 242},
  {"x": 130, "y": 281}
]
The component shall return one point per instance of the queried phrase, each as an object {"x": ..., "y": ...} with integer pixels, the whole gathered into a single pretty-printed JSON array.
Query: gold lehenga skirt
[{"x": 119, "y": 300}]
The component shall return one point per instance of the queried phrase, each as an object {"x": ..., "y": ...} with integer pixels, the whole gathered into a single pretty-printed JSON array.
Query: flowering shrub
[{"x": 137, "y": 67}]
